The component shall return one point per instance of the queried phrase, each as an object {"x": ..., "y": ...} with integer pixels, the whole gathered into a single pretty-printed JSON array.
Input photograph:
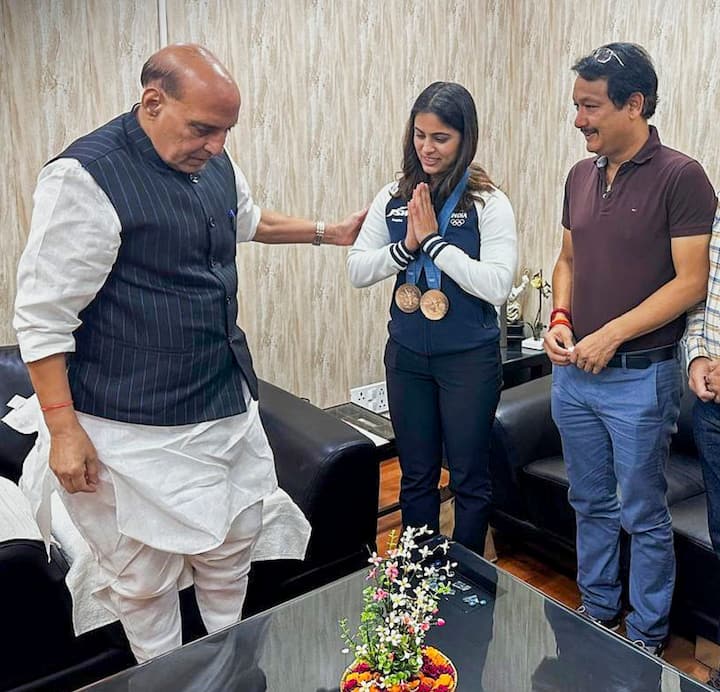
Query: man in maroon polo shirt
[{"x": 637, "y": 219}]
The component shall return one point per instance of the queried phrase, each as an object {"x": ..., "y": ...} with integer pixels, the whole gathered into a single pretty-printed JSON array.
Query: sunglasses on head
[{"x": 605, "y": 54}]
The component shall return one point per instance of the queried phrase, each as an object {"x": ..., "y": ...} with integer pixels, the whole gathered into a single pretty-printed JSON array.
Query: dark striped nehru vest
[{"x": 159, "y": 345}]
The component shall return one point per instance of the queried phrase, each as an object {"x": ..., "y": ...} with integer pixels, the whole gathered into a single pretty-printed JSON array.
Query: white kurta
[{"x": 177, "y": 488}]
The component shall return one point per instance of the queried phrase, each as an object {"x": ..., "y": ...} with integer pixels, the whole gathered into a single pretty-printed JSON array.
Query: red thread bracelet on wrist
[
  {"x": 561, "y": 320},
  {"x": 560, "y": 311},
  {"x": 52, "y": 407}
]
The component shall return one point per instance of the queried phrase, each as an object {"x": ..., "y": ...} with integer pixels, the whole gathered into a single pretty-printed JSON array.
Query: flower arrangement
[
  {"x": 544, "y": 289},
  {"x": 400, "y": 606}
]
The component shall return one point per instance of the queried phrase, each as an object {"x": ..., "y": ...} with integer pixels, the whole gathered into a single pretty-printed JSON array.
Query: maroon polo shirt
[{"x": 621, "y": 238}]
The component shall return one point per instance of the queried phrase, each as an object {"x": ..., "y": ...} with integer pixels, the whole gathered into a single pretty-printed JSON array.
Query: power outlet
[{"x": 373, "y": 397}]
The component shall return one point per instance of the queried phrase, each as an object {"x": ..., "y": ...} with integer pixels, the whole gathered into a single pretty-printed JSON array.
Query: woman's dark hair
[
  {"x": 628, "y": 69},
  {"x": 455, "y": 107}
]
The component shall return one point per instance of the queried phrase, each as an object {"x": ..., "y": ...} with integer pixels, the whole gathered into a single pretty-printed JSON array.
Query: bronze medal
[
  {"x": 407, "y": 297},
  {"x": 434, "y": 304}
]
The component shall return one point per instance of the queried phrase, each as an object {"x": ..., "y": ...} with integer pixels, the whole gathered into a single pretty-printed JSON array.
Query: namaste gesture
[{"x": 422, "y": 221}]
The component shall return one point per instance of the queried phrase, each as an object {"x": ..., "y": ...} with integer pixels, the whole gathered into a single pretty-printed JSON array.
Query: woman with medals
[{"x": 447, "y": 235}]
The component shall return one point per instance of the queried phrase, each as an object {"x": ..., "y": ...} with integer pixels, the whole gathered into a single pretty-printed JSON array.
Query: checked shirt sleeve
[{"x": 702, "y": 334}]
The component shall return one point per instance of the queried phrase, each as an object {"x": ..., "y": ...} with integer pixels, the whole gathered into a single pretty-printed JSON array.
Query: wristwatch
[{"x": 319, "y": 233}]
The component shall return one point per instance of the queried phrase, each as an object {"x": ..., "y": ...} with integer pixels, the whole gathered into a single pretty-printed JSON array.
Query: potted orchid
[
  {"x": 544, "y": 290},
  {"x": 400, "y": 606}
]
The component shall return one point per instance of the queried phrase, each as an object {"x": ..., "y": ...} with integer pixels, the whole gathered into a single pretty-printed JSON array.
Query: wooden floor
[{"x": 561, "y": 587}]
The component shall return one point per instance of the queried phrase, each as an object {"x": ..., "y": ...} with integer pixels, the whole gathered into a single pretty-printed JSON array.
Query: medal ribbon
[{"x": 432, "y": 273}]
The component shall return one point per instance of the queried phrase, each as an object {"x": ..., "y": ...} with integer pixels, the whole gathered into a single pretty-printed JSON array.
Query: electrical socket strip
[{"x": 373, "y": 397}]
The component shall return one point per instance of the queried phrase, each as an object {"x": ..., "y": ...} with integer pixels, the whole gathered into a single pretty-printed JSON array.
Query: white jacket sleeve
[
  {"x": 73, "y": 243},
  {"x": 491, "y": 276},
  {"x": 373, "y": 257}
]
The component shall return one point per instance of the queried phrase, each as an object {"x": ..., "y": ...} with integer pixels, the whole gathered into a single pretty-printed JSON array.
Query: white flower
[
  {"x": 403, "y": 584},
  {"x": 394, "y": 626},
  {"x": 447, "y": 568}
]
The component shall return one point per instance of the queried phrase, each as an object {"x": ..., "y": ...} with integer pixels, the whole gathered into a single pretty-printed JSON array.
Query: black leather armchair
[
  {"x": 531, "y": 505},
  {"x": 320, "y": 462}
]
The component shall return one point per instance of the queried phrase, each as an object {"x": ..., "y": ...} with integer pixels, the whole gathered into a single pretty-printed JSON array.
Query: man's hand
[
  {"x": 712, "y": 380},
  {"x": 73, "y": 459},
  {"x": 697, "y": 378},
  {"x": 345, "y": 232},
  {"x": 559, "y": 344},
  {"x": 592, "y": 353}
]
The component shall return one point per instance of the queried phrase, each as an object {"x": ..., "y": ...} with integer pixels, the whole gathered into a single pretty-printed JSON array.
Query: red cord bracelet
[{"x": 52, "y": 407}]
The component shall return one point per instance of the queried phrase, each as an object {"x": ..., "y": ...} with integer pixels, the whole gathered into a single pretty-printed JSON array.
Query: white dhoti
[
  {"x": 141, "y": 582},
  {"x": 173, "y": 505}
]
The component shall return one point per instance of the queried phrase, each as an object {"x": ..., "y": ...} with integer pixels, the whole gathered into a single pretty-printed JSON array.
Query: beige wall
[{"x": 327, "y": 86}]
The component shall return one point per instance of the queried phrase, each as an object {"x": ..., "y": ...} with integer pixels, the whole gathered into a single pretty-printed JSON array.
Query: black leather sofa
[
  {"x": 531, "y": 505},
  {"x": 320, "y": 462}
]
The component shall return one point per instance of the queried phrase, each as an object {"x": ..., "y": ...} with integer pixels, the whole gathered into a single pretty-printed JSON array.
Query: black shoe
[
  {"x": 652, "y": 649},
  {"x": 613, "y": 624},
  {"x": 714, "y": 679}
]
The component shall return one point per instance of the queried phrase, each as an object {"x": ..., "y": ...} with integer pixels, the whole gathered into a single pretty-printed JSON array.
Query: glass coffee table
[{"x": 502, "y": 635}]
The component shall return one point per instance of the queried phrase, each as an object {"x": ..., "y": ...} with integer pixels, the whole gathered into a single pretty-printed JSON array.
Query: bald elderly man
[{"x": 126, "y": 317}]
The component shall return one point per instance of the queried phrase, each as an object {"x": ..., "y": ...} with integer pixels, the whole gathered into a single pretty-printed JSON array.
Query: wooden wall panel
[{"x": 327, "y": 87}]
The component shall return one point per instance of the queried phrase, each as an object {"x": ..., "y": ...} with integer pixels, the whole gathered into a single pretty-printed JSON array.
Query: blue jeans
[
  {"x": 615, "y": 429},
  {"x": 706, "y": 427}
]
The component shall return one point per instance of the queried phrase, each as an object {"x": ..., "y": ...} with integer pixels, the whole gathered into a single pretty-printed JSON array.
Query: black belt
[{"x": 640, "y": 360}]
